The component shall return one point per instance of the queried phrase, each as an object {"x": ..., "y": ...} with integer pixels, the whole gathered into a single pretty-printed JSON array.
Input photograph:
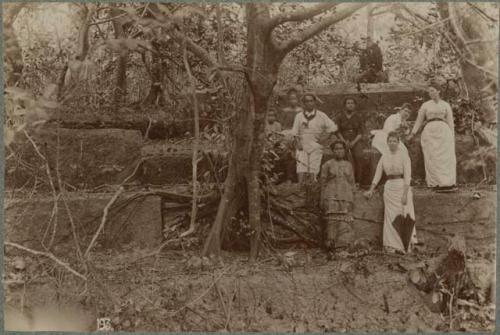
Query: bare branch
[
  {"x": 320, "y": 26},
  {"x": 103, "y": 221},
  {"x": 108, "y": 20},
  {"x": 381, "y": 5},
  {"x": 192, "y": 92},
  {"x": 412, "y": 13},
  {"x": 194, "y": 48},
  {"x": 425, "y": 28},
  {"x": 389, "y": 10},
  {"x": 482, "y": 12},
  {"x": 46, "y": 254},
  {"x": 299, "y": 15}
]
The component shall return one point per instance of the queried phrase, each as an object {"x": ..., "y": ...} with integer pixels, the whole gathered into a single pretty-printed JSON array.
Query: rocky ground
[{"x": 285, "y": 291}]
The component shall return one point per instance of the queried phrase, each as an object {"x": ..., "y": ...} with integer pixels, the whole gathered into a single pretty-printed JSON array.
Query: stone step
[
  {"x": 438, "y": 217},
  {"x": 89, "y": 158}
]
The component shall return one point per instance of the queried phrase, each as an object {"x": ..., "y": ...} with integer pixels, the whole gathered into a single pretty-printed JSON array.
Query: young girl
[{"x": 337, "y": 195}]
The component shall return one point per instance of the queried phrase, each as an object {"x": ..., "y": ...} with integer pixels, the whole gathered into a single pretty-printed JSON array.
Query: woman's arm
[
  {"x": 418, "y": 122},
  {"x": 449, "y": 118},
  {"x": 377, "y": 176},
  {"x": 406, "y": 177}
]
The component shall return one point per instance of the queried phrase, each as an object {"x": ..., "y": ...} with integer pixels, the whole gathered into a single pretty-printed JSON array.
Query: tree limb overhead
[
  {"x": 299, "y": 15},
  {"x": 320, "y": 26}
]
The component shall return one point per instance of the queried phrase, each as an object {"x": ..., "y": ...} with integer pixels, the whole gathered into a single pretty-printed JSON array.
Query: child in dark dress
[{"x": 337, "y": 196}]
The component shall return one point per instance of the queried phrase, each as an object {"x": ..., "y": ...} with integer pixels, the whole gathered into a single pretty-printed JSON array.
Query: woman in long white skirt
[
  {"x": 438, "y": 141},
  {"x": 398, "y": 198}
]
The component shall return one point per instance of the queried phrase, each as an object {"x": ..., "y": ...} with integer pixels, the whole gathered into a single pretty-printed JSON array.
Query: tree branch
[
  {"x": 192, "y": 92},
  {"x": 103, "y": 221},
  {"x": 299, "y": 15},
  {"x": 426, "y": 28},
  {"x": 48, "y": 255},
  {"x": 198, "y": 51},
  {"x": 482, "y": 12},
  {"x": 95, "y": 23},
  {"x": 412, "y": 13},
  {"x": 320, "y": 26}
]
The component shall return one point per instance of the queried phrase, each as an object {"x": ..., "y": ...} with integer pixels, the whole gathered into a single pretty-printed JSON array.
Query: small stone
[
  {"x": 19, "y": 264},
  {"x": 481, "y": 274}
]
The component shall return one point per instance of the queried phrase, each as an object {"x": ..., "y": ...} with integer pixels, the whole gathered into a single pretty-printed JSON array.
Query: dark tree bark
[
  {"x": 121, "y": 68},
  {"x": 13, "y": 54},
  {"x": 264, "y": 57}
]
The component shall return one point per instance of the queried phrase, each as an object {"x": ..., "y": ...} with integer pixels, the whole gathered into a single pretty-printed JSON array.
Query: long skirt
[
  {"x": 309, "y": 161},
  {"x": 438, "y": 146},
  {"x": 393, "y": 192},
  {"x": 339, "y": 232}
]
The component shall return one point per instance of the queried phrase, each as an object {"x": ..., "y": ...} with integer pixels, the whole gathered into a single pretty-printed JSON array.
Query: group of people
[{"x": 312, "y": 130}]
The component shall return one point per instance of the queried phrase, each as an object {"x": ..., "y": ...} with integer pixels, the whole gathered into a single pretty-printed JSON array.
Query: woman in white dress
[
  {"x": 438, "y": 141},
  {"x": 392, "y": 123},
  {"x": 398, "y": 198}
]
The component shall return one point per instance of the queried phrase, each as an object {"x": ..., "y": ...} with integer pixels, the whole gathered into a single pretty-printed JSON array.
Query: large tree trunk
[
  {"x": 264, "y": 57},
  {"x": 244, "y": 170},
  {"x": 477, "y": 43},
  {"x": 121, "y": 69},
  {"x": 68, "y": 78},
  {"x": 13, "y": 54}
]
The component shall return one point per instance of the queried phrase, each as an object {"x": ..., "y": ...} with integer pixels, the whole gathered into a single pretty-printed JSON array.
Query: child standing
[{"x": 337, "y": 196}]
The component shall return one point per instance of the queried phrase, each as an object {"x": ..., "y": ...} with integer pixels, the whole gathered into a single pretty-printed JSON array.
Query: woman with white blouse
[
  {"x": 398, "y": 198},
  {"x": 438, "y": 141},
  {"x": 392, "y": 123}
]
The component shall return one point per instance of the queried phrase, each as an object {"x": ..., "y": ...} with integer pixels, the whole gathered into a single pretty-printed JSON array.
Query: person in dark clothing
[
  {"x": 351, "y": 128},
  {"x": 371, "y": 63}
]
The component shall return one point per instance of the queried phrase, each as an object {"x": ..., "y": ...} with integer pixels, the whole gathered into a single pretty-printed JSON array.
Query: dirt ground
[{"x": 299, "y": 291}]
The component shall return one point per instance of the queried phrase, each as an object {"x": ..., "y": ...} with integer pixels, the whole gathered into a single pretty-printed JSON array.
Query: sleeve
[
  {"x": 449, "y": 118},
  {"x": 295, "y": 127},
  {"x": 330, "y": 126},
  {"x": 407, "y": 169},
  {"x": 420, "y": 119},
  {"x": 391, "y": 124},
  {"x": 378, "y": 172}
]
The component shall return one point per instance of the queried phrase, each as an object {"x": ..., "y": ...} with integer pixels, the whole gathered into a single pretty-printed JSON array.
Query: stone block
[
  {"x": 129, "y": 220},
  {"x": 87, "y": 157},
  {"x": 438, "y": 215}
]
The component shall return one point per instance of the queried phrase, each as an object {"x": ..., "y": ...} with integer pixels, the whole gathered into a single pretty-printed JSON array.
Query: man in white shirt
[{"x": 310, "y": 128}]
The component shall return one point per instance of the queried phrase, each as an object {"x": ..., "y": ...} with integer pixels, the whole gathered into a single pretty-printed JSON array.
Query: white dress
[
  {"x": 438, "y": 143},
  {"x": 397, "y": 163},
  {"x": 309, "y": 132},
  {"x": 379, "y": 142}
]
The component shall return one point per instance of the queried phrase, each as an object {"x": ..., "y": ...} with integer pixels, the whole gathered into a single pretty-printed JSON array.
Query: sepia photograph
[{"x": 268, "y": 167}]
